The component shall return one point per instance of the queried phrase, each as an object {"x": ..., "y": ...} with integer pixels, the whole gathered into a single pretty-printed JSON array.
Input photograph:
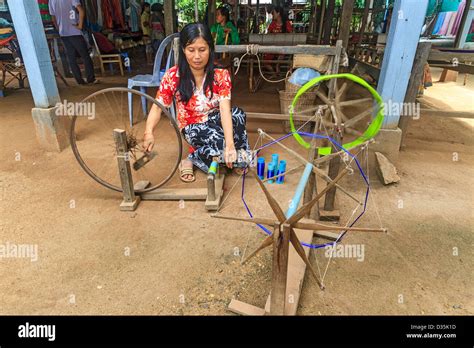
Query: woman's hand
[
  {"x": 230, "y": 155},
  {"x": 148, "y": 141}
]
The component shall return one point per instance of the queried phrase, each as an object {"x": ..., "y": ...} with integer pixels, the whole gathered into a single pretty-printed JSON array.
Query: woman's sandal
[{"x": 186, "y": 171}]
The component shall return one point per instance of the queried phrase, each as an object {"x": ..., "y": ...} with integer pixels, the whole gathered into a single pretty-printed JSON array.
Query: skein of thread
[
  {"x": 261, "y": 168},
  {"x": 270, "y": 172},
  {"x": 281, "y": 170}
]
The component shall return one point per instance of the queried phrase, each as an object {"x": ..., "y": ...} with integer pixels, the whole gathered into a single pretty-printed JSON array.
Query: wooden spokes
[{"x": 340, "y": 107}]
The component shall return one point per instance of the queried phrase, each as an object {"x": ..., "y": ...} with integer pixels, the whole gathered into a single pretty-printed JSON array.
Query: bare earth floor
[{"x": 166, "y": 259}]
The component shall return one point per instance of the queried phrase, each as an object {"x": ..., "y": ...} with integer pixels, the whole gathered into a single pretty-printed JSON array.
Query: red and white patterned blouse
[{"x": 200, "y": 105}]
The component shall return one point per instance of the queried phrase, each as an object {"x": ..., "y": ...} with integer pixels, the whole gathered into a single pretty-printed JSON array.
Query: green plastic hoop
[{"x": 369, "y": 133}]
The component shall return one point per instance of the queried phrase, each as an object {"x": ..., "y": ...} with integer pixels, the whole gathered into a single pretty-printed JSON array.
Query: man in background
[{"x": 68, "y": 18}]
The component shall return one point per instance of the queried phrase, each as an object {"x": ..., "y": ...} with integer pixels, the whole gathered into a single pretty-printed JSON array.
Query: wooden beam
[
  {"x": 242, "y": 308},
  {"x": 281, "y": 244},
  {"x": 196, "y": 194},
  {"x": 461, "y": 68},
  {"x": 449, "y": 113},
  {"x": 346, "y": 22},
  {"x": 416, "y": 79},
  {"x": 170, "y": 17},
  {"x": 211, "y": 12},
  {"x": 365, "y": 16},
  {"x": 296, "y": 272},
  {"x": 306, "y": 49},
  {"x": 130, "y": 201},
  {"x": 449, "y": 56},
  {"x": 328, "y": 22}
]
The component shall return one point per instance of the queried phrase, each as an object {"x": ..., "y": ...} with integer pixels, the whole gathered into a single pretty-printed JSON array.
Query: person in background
[
  {"x": 279, "y": 24},
  {"x": 145, "y": 19},
  {"x": 68, "y": 18},
  {"x": 157, "y": 28},
  {"x": 223, "y": 27}
]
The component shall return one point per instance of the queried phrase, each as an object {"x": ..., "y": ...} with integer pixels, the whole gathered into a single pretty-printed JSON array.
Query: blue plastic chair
[{"x": 144, "y": 81}]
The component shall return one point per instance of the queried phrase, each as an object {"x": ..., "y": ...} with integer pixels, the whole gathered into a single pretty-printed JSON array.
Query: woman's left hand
[{"x": 230, "y": 155}]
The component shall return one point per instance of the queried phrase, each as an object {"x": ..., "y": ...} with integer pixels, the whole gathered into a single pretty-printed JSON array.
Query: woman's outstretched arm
[{"x": 230, "y": 155}]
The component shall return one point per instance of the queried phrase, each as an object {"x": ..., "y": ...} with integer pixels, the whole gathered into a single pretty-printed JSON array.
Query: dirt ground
[{"x": 166, "y": 259}]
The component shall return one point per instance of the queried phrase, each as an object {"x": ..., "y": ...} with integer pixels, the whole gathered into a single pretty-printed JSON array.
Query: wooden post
[
  {"x": 328, "y": 22},
  {"x": 311, "y": 187},
  {"x": 211, "y": 12},
  {"x": 130, "y": 201},
  {"x": 402, "y": 41},
  {"x": 281, "y": 247},
  {"x": 416, "y": 78},
  {"x": 170, "y": 17},
  {"x": 364, "y": 21},
  {"x": 465, "y": 25},
  {"x": 312, "y": 20},
  {"x": 321, "y": 21},
  {"x": 346, "y": 21}
]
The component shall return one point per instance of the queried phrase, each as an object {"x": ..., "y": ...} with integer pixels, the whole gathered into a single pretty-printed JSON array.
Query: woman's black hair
[
  {"x": 284, "y": 17},
  {"x": 187, "y": 36},
  {"x": 224, "y": 12},
  {"x": 145, "y": 5}
]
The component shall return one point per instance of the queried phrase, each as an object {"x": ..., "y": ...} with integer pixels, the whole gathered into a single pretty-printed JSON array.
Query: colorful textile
[
  {"x": 208, "y": 140},
  {"x": 439, "y": 23},
  {"x": 444, "y": 27},
  {"x": 459, "y": 14},
  {"x": 201, "y": 103}
]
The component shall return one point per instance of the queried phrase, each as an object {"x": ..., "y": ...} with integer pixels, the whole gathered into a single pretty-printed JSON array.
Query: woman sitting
[
  {"x": 204, "y": 114},
  {"x": 279, "y": 24},
  {"x": 223, "y": 27}
]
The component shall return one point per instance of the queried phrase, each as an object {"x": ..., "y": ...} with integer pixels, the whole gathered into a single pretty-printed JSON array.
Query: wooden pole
[
  {"x": 312, "y": 20},
  {"x": 211, "y": 13},
  {"x": 346, "y": 21},
  {"x": 170, "y": 17},
  {"x": 328, "y": 22},
  {"x": 130, "y": 201},
  {"x": 321, "y": 21},
  {"x": 416, "y": 78},
  {"x": 281, "y": 247},
  {"x": 364, "y": 21}
]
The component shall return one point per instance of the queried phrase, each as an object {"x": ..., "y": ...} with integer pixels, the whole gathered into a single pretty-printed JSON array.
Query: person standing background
[{"x": 68, "y": 18}]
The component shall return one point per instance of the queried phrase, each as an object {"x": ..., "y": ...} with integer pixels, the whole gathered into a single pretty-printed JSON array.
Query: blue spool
[
  {"x": 281, "y": 170},
  {"x": 270, "y": 172},
  {"x": 261, "y": 168},
  {"x": 213, "y": 168},
  {"x": 275, "y": 160}
]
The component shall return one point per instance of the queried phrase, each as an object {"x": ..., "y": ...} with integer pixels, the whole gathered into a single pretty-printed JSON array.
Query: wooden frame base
[{"x": 294, "y": 283}]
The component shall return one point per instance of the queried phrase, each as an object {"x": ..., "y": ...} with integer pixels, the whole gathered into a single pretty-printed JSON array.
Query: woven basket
[
  {"x": 292, "y": 88},
  {"x": 306, "y": 101}
]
